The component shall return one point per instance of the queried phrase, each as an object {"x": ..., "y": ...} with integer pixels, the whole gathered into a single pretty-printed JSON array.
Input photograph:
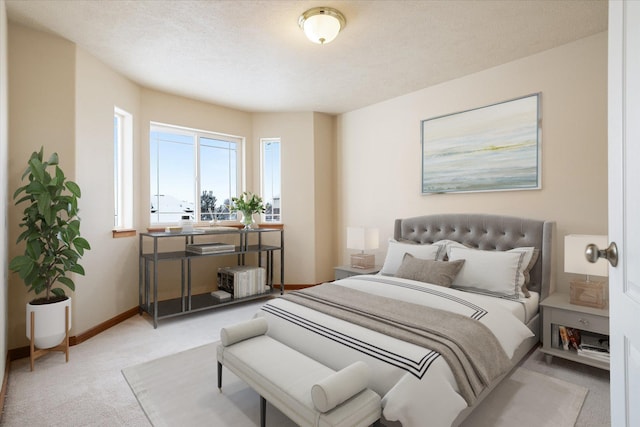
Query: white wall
[
  {"x": 325, "y": 183},
  {"x": 379, "y": 147},
  {"x": 110, "y": 286},
  {"x": 295, "y": 131},
  {"x": 4, "y": 201}
]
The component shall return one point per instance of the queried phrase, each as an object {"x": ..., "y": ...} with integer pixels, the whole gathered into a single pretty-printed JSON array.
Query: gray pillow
[{"x": 441, "y": 273}]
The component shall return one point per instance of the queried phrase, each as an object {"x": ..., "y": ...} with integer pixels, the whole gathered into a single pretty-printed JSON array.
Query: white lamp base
[{"x": 588, "y": 293}]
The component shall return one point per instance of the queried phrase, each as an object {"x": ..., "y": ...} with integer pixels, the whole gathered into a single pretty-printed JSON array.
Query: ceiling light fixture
[{"x": 322, "y": 24}]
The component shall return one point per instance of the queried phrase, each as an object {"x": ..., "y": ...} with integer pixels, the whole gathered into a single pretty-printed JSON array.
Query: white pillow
[
  {"x": 447, "y": 244},
  {"x": 396, "y": 251},
  {"x": 499, "y": 273}
]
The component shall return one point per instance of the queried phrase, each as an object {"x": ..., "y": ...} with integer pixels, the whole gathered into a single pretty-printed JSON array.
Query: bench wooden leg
[
  {"x": 219, "y": 376},
  {"x": 263, "y": 411}
]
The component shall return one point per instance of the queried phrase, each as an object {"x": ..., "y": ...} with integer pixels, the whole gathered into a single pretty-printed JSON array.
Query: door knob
[{"x": 593, "y": 253}]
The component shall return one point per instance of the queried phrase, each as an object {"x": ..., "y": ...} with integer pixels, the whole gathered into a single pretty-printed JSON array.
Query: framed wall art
[{"x": 491, "y": 148}]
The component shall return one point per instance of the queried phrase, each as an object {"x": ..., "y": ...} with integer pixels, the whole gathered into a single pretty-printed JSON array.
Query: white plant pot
[{"x": 49, "y": 323}]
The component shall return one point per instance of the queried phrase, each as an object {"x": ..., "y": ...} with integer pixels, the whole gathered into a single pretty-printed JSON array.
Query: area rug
[
  {"x": 528, "y": 398},
  {"x": 181, "y": 389}
]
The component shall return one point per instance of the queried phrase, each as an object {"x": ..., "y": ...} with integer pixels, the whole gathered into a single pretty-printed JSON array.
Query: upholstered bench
[{"x": 306, "y": 391}]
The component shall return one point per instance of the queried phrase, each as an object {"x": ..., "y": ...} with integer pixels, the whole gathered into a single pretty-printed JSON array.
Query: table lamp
[
  {"x": 362, "y": 239},
  {"x": 587, "y": 292}
]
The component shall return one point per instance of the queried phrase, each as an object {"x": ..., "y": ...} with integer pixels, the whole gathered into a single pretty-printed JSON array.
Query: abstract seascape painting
[{"x": 492, "y": 148}]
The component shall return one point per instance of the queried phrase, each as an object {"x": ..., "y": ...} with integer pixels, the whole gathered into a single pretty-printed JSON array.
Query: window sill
[
  {"x": 122, "y": 232},
  {"x": 276, "y": 225}
]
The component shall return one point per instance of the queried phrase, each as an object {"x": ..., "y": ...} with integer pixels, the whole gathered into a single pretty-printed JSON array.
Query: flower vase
[{"x": 247, "y": 220}]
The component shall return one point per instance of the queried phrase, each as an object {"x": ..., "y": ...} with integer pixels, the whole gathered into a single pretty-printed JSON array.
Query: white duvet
[{"x": 416, "y": 385}]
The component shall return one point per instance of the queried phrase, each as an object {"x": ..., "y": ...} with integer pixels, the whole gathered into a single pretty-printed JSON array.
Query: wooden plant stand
[{"x": 35, "y": 353}]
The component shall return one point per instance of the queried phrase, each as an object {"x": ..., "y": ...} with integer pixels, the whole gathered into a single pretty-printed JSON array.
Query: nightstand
[
  {"x": 344, "y": 271},
  {"x": 556, "y": 312}
]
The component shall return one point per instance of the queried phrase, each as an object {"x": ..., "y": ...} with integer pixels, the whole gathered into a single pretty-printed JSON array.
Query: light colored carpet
[
  {"x": 181, "y": 389},
  {"x": 528, "y": 398}
]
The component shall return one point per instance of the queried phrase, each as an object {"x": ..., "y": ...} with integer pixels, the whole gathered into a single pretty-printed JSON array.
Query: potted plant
[
  {"x": 53, "y": 246},
  {"x": 248, "y": 204}
]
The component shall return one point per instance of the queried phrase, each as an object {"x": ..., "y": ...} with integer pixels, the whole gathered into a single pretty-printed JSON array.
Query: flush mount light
[{"x": 322, "y": 24}]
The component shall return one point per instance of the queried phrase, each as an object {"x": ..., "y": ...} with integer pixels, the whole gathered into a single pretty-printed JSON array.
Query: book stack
[
  {"x": 587, "y": 344},
  {"x": 570, "y": 337},
  {"x": 594, "y": 346},
  {"x": 242, "y": 281},
  {"x": 210, "y": 248},
  {"x": 221, "y": 295}
]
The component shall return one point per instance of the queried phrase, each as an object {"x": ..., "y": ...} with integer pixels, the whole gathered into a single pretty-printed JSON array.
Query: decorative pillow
[
  {"x": 407, "y": 241},
  {"x": 440, "y": 273},
  {"x": 340, "y": 386},
  {"x": 498, "y": 273},
  {"x": 525, "y": 291},
  {"x": 448, "y": 244},
  {"x": 396, "y": 251},
  {"x": 532, "y": 254}
]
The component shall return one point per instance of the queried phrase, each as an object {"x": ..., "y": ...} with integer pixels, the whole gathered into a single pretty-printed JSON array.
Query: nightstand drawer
[{"x": 577, "y": 320}]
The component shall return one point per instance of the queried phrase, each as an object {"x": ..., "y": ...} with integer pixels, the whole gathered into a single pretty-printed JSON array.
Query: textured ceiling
[{"x": 252, "y": 55}]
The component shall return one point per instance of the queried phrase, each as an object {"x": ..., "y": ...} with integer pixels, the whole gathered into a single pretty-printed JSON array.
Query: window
[
  {"x": 188, "y": 162},
  {"x": 270, "y": 166},
  {"x": 122, "y": 169}
]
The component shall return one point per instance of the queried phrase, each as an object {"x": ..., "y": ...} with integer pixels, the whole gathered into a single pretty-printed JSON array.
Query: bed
[{"x": 416, "y": 383}]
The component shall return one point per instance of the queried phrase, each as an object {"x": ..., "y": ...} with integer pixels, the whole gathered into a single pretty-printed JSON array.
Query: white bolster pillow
[
  {"x": 340, "y": 386},
  {"x": 242, "y": 331}
]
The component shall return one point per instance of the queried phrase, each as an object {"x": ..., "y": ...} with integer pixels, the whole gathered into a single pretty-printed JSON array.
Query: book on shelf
[
  {"x": 210, "y": 248},
  {"x": 602, "y": 355},
  {"x": 594, "y": 342},
  {"x": 574, "y": 338},
  {"x": 584, "y": 343},
  {"x": 242, "y": 281},
  {"x": 570, "y": 338},
  {"x": 221, "y": 295},
  {"x": 564, "y": 337},
  {"x": 555, "y": 336},
  {"x": 595, "y": 346}
]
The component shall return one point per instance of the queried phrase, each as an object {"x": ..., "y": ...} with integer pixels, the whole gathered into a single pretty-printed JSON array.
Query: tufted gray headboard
[{"x": 488, "y": 232}]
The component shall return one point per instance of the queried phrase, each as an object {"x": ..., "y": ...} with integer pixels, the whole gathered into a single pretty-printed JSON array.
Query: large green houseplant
[{"x": 51, "y": 232}]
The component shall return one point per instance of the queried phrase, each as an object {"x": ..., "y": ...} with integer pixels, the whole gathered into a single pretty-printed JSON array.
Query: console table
[{"x": 248, "y": 241}]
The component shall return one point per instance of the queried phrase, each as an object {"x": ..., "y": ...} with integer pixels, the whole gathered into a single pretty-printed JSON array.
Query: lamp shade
[
  {"x": 575, "y": 260},
  {"x": 322, "y": 24},
  {"x": 362, "y": 238}
]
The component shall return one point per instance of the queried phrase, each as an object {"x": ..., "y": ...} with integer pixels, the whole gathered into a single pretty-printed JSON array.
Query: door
[{"x": 624, "y": 210}]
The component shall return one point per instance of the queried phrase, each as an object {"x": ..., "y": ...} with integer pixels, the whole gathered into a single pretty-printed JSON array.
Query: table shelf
[{"x": 188, "y": 302}]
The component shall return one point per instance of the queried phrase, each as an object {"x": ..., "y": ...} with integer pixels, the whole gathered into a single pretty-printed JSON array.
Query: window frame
[
  {"x": 263, "y": 143},
  {"x": 123, "y": 170},
  {"x": 197, "y": 190}
]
